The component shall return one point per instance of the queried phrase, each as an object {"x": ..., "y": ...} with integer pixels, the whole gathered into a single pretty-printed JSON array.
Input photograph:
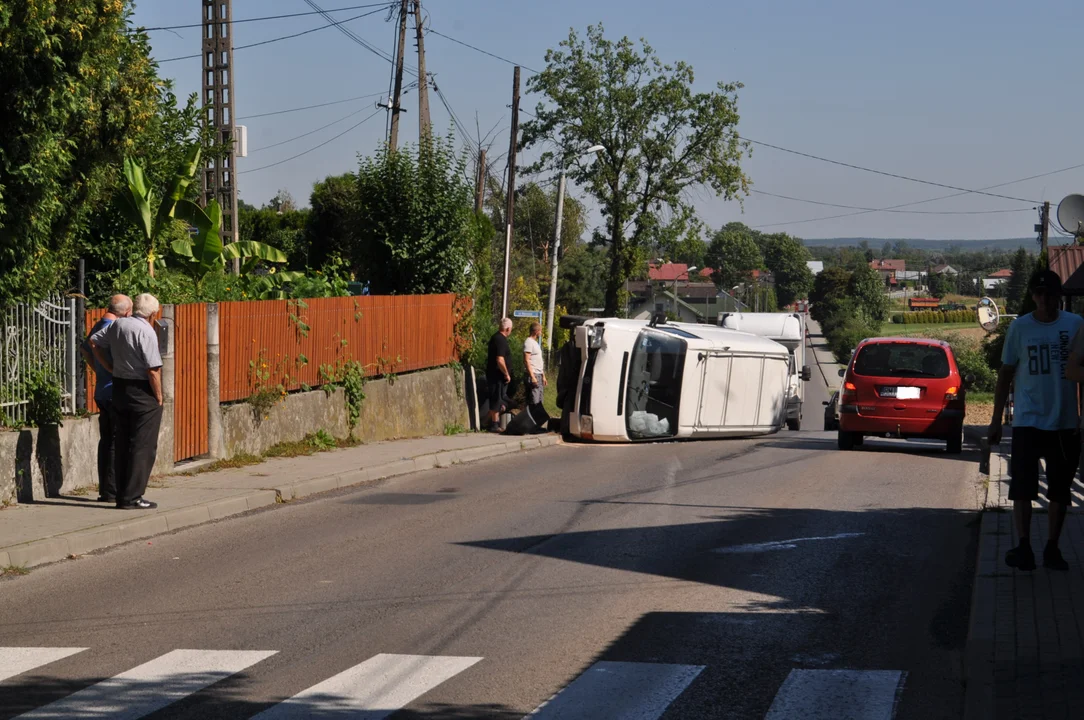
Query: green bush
[
  {"x": 897, "y": 319},
  {"x": 973, "y": 362},
  {"x": 845, "y": 336}
]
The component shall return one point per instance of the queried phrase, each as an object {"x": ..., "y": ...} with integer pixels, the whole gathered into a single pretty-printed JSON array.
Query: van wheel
[
  {"x": 794, "y": 424},
  {"x": 955, "y": 444},
  {"x": 846, "y": 440}
]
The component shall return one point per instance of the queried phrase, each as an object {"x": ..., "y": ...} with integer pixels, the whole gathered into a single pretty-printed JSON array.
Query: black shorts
[
  {"x": 497, "y": 394},
  {"x": 1060, "y": 449}
]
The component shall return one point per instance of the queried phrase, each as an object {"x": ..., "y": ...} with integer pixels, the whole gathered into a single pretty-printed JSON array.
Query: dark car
[{"x": 831, "y": 413}]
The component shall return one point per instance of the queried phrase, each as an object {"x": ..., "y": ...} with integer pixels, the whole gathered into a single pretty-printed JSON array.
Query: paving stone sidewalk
[
  {"x": 1025, "y": 651},
  {"x": 54, "y": 529}
]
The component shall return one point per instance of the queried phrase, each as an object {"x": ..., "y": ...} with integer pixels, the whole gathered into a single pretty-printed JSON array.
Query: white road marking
[
  {"x": 780, "y": 544},
  {"x": 619, "y": 691},
  {"x": 371, "y": 690},
  {"x": 837, "y": 695},
  {"x": 17, "y": 660},
  {"x": 151, "y": 686}
]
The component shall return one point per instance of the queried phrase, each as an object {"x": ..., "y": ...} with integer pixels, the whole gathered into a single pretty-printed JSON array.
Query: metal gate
[{"x": 37, "y": 342}]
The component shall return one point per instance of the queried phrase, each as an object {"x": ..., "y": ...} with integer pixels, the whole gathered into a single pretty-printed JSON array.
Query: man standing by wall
[
  {"x": 532, "y": 360},
  {"x": 136, "y": 365},
  {"x": 1037, "y": 364},
  {"x": 498, "y": 373},
  {"x": 119, "y": 306}
]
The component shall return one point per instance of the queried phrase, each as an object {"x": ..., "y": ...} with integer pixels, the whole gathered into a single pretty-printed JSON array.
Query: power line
[
  {"x": 886, "y": 174},
  {"x": 927, "y": 200},
  {"x": 478, "y": 49},
  {"x": 265, "y": 17},
  {"x": 312, "y": 107},
  {"x": 354, "y": 36},
  {"x": 313, "y": 149},
  {"x": 311, "y": 132},
  {"x": 868, "y": 209},
  {"x": 337, "y": 23}
]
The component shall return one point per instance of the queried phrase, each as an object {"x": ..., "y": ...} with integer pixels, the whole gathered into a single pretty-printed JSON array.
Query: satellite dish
[
  {"x": 988, "y": 315},
  {"x": 1071, "y": 215}
]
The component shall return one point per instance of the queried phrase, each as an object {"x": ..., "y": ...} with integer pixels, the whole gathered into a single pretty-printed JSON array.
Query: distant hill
[{"x": 1029, "y": 243}]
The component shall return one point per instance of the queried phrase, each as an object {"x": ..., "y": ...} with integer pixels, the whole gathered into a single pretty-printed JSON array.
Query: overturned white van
[
  {"x": 630, "y": 380},
  {"x": 787, "y": 329}
]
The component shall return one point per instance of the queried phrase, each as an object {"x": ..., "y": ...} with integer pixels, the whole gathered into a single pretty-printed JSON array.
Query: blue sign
[{"x": 528, "y": 314}]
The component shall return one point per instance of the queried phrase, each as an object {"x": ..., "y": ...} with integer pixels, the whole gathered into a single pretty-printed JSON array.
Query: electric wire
[
  {"x": 312, "y": 107},
  {"x": 357, "y": 38},
  {"x": 305, "y": 135},
  {"x": 478, "y": 49},
  {"x": 313, "y": 149},
  {"x": 337, "y": 23},
  {"x": 265, "y": 17},
  {"x": 868, "y": 209}
]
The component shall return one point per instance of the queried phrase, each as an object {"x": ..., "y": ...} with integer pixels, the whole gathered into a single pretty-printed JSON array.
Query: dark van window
[
  {"x": 654, "y": 385},
  {"x": 909, "y": 360}
]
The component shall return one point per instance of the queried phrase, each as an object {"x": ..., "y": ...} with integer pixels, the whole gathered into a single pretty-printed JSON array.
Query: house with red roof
[
  {"x": 996, "y": 279},
  {"x": 889, "y": 269}
]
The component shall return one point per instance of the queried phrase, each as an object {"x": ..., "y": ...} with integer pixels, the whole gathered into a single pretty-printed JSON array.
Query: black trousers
[
  {"x": 138, "y": 418},
  {"x": 107, "y": 482}
]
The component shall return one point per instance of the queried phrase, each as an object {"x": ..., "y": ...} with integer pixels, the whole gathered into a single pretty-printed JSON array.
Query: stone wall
[
  {"x": 413, "y": 405},
  {"x": 40, "y": 463}
]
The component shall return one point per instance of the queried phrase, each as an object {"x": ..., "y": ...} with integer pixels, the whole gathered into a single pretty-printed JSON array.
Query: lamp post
[
  {"x": 688, "y": 274},
  {"x": 557, "y": 246}
]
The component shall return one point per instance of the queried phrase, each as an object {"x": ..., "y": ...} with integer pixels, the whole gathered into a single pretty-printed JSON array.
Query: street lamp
[
  {"x": 688, "y": 274},
  {"x": 557, "y": 246}
]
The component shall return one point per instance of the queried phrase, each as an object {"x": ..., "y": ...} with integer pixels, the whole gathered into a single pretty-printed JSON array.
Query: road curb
[
  {"x": 979, "y": 695},
  {"x": 80, "y": 542}
]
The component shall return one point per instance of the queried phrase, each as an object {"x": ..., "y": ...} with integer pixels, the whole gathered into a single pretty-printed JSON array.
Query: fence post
[
  {"x": 166, "y": 345},
  {"x": 216, "y": 447},
  {"x": 80, "y": 335}
]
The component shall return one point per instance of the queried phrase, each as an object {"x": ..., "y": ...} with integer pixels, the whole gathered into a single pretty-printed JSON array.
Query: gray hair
[
  {"x": 120, "y": 305},
  {"x": 506, "y": 324},
  {"x": 145, "y": 306}
]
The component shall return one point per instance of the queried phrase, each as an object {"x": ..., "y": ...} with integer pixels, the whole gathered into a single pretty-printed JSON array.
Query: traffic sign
[{"x": 527, "y": 314}]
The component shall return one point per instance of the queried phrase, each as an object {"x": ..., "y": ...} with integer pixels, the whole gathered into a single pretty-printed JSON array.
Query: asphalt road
[{"x": 691, "y": 580}]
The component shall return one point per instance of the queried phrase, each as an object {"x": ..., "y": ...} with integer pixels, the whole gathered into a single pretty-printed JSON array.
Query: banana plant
[
  {"x": 205, "y": 252},
  {"x": 137, "y": 199}
]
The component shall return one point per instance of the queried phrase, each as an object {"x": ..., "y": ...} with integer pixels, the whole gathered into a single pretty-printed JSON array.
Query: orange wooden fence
[
  {"x": 190, "y": 379},
  {"x": 290, "y": 340}
]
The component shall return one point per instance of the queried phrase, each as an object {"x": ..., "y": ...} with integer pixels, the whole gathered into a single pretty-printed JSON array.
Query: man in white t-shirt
[{"x": 532, "y": 360}]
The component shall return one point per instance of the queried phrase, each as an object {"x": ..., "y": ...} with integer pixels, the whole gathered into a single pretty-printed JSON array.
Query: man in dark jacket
[{"x": 499, "y": 373}]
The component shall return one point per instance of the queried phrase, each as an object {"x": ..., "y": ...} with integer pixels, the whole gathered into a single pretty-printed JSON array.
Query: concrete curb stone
[
  {"x": 39, "y": 552},
  {"x": 979, "y": 696}
]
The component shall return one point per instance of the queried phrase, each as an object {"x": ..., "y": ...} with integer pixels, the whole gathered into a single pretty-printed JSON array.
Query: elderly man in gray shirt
[{"x": 136, "y": 364}]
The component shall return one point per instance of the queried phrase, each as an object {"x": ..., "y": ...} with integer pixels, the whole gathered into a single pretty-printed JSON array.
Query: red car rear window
[{"x": 905, "y": 360}]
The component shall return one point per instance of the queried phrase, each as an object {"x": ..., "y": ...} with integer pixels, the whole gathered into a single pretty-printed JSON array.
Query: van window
[
  {"x": 911, "y": 360},
  {"x": 654, "y": 385}
]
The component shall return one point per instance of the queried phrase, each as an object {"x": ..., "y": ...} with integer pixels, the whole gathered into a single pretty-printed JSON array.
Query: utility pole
[
  {"x": 480, "y": 185},
  {"x": 511, "y": 208},
  {"x": 1044, "y": 232},
  {"x": 554, "y": 250},
  {"x": 219, "y": 176},
  {"x": 393, "y": 141},
  {"x": 424, "y": 126}
]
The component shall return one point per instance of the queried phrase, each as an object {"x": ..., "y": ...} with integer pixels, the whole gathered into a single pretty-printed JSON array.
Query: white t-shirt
[{"x": 532, "y": 348}]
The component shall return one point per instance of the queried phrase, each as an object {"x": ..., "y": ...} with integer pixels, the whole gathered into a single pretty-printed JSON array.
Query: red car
[{"x": 902, "y": 387}]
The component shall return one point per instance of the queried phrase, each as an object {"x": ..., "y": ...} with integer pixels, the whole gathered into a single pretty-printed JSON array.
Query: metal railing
[{"x": 37, "y": 341}]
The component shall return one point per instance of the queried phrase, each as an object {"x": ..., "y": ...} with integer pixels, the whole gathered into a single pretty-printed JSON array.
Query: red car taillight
[
  {"x": 953, "y": 393},
  {"x": 849, "y": 390}
]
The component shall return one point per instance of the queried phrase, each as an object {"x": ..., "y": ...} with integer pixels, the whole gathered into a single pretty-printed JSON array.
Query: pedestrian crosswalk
[{"x": 385, "y": 683}]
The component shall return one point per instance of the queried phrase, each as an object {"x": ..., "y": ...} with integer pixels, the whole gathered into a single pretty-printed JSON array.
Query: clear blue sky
[{"x": 968, "y": 93}]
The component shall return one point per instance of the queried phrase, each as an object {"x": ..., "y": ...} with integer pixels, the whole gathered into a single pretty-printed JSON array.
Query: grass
[
  {"x": 549, "y": 399},
  {"x": 454, "y": 429},
  {"x": 237, "y": 461},
  {"x": 895, "y": 329},
  {"x": 14, "y": 571},
  {"x": 320, "y": 441}
]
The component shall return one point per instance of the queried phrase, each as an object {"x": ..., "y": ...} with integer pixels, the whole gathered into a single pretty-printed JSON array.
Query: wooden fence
[{"x": 268, "y": 342}]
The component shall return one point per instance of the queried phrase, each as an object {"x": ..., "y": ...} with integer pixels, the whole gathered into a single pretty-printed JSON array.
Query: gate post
[
  {"x": 216, "y": 447},
  {"x": 166, "y": 345}
]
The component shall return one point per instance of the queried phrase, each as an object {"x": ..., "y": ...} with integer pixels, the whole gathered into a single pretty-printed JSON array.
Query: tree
[
  {"x": 867, "y": 290},
  {"x": 1022, "y": 266},
  {"x": 415, "y": 219},
  {"x": 283, "y": 202},
  {"x": 786, "y": 258},
  {"x": 661, "y": 140},
  {"x": 580, "y": 286},
  {"x": 940, "y": 285},
  {"x": 733, "y": 256},
  {"x": 830, "y": 289},
  {"x": 332, "y": 221},
  {"x": 79, "y": 87}
]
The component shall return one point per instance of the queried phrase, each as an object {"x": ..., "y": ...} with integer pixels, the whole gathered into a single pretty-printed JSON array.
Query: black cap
[{"x": 1045, "y": 281}]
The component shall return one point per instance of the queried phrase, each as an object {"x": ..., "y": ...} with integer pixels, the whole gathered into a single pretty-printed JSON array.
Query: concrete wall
[
  {"x": 413, "y": 405},
  {"x": 40, "y": 463}
]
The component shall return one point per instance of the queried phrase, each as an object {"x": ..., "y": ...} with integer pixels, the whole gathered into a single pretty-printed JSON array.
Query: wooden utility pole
[
  {"x": 511, "y": 207},
  {"x": 393, "y": 141},
  {"x": 424, "y": 126},
  {"x": 480, "y": 187},
  {"x": 1044, "y": 233}
]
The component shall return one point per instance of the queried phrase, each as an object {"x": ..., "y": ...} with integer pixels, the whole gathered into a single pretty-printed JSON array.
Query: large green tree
[
  {"x": 868, "y": 291},
  {"x": 415, "y": 221},
  {"x": 1022, "y": 267},
  {"x": 661, "y": 140},
  {"x": 733, "y": 256},
  {"x": 830, "y": 290},
  {"x": 786, "y": 258},
  {"x": 332, "y": 222},
  {"x": 78, "y": 89}
]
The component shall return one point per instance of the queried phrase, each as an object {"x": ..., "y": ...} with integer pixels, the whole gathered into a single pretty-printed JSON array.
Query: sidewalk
[
  {"x": 55, "y": 529},
  {"x": 1025, "y": 648}
]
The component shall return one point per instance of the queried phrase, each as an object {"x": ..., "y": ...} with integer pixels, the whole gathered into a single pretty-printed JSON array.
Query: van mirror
[
  {"x": 825, "y": 403},
  {"x": 807, "y": 373},
  {"x": 842, "y": 372}
]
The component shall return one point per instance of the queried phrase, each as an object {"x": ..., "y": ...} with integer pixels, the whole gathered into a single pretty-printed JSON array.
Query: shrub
[
  {"x": 846, "y": 335},
  {"x": 897, "y": 319},
  {"x": 972, "y": 361}
]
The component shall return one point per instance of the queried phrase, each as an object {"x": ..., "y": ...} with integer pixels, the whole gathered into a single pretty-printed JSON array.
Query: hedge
[{"x": 934, "y": 317}]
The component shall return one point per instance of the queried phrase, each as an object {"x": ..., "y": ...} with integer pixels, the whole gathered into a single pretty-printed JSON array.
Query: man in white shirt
[{"x": 532, "y": 360}]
